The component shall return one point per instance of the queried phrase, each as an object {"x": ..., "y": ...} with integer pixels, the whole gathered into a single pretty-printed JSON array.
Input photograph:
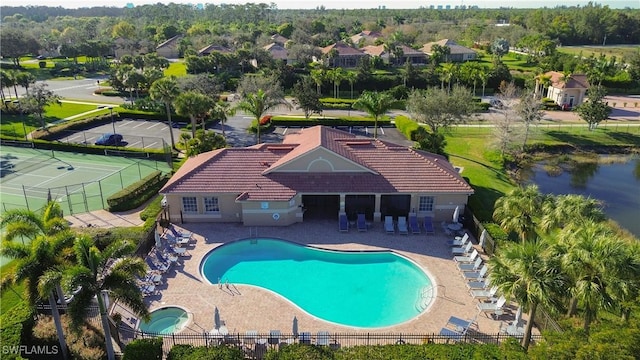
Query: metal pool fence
[{"x": 255, "y": 345}]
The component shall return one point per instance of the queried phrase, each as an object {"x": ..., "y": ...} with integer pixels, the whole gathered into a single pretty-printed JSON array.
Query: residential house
[
  {"x": 169, "y": 48},
  {"x": 416, "y": 57},
  {"x": 278, "y": 52},
  {"x": 458, "y": 53},
  {"x": 208, "y": 50},
  {"x": 345, "y": 56},
  {"x": 315, "y": 173},
  {"x": 279, "y": 39},
  {"x": 566, "y": 91},
  {"x": 365, "y": 37}
]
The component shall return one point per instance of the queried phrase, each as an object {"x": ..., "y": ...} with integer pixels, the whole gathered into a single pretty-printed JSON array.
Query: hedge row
[
  {"x": 327, "y": 121},
  {"x": 15, "y": 329},
  {"x": 508, "y": 350},
  {"x": 137, "y": 193},
  {"x": 409, "y": 128},
  {"x": 143, "y": 349}
]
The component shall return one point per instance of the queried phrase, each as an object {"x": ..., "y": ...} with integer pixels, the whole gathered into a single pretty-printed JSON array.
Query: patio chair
[
  {"x": 305, "y": 338},
  {"x": 493, "y": 308},
  {"x": 402, "y": 225},
  {"x": 181, "y": 233},
  {"x": 274, "y": 337},
  {"x": 482, "y": 294},
  {"x": 460, "y": 241},
  {"x": 343, "y": 223},
  {"x": 413, "y": 223},
  {"x": 250, "y": 337},
  {"x": 361, "y": 223},
  {"x": 459, "y": 325},
  {"x": 322, "y": 339},
  {"x": 464, "y": 250},
  {"x": 479, "y": 284},
  {"x": 516, "y": 327},
  {"x": 428, "y": 225},
  {"x": 467, "y": 259},
  {"x": 389, "y": 227},
  {"x": 476, "y": 275},
  {"x": 474, "y": 266},
  {"x": 451, "y": 335}
]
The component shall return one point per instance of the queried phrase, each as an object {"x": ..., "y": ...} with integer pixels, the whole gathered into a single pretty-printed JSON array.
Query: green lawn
[
  {"x": 10, "y": 296},
  {"x": 176, "y": 69},
  {"x": 619, "y": 51}
]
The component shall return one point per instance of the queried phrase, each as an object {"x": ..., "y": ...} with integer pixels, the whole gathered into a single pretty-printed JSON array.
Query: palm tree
[
  {"x": 518, "y": 210},
  {"x": 527, "y": 273},
  {"x": 336, "y": 75},
  {"x": 222, "y": 111},
  {"x": 166, "y": 90},
  {"x": 258, "y": 103},
  {"x": 448, "y": 71},
  {"x": 484, "y": 75},
  {"x": 49, "y": 237},
  {"x": 351, "y": 77},
  {"x": 110, "y": 271},
  {"x": 569, "y": 210},
  {"x": 195, "y": 105},
  {"x": 596, "y": 262},
  {"x": 318, "y": 76},
  {"x": 375, "y": 104}
]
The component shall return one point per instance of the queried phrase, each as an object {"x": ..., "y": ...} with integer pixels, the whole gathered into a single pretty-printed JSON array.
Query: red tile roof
[
  {"x": 575, "y": 80},
  {"x": 343, "y": 49},
  {"x": 252, "y": 173}
]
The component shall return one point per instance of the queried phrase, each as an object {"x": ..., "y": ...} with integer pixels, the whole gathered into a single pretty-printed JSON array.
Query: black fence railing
[{"x": 255, "y": 345}]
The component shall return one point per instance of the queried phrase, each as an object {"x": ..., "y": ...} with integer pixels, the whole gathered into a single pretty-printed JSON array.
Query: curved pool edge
[
  {"x": 190, "y": 317},
  {"x": 427, "y": 273}
]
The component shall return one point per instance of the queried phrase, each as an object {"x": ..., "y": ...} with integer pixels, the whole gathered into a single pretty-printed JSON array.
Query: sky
[{"x": 341, "y": 4}]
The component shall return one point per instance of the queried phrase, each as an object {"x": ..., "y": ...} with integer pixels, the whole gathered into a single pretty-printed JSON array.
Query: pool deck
[{"x": 244, "y": 308}]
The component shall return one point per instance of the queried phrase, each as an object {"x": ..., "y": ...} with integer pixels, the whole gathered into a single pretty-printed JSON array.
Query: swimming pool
[
  {"x": 361, "y": 289},
  {"x": 166, "y": 320}
]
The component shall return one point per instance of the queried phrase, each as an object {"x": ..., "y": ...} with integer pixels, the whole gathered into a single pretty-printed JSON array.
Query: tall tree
[
  {"x": 111, "y": 271},
  {"x": 166, "y": 90},
  {"x": 306, "y": 98},
  {"x": 258, "y": 104},
  {"x": 375, "y": 104},
  {"x": 39, "y": 98},
  {"x": 518, "y": 211},
  {"x": 528, "y": 274},
  {"x": 25, "y": 80},
  {"x": 440, "y": 109},
  {"x": 569, "y": 210},
  {"x": 530, "y": 110},
  {"x": 594, "y": 110},
  {"x": 195, "y": 106}
]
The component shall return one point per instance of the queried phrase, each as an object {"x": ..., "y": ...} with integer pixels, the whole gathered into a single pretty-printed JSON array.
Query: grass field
[
  {"x": 178, "y": 68},
  {"x": 619, "y": 51}
]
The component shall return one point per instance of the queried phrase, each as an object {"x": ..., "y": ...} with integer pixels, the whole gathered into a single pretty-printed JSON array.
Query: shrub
[
  {"x": 188, "y": 352},
  {"x": 153, "y": 209},
  {"x": 411, "y": 129},
  {"x": 15, "y": 328},
  {"x": 143, "y": 349},
  {"x": 42, "y": 64},
  {"x": 265, "y": 120},
  {"x": 137, "y": 193},
  {"x": 300, "y": 351}
]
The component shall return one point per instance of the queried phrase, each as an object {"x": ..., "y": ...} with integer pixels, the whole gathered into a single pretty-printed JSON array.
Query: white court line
[
  {"x": 142, "y": 123},
  {"x": 150, "y": 145},
  {"x": 127, "y": 122},
  {"x": 135, "y": 143},
  {"x": 381, "y": 130},
  {"x": 154, "y": 125}
]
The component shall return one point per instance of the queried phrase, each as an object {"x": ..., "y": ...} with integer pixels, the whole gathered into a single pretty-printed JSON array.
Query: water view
[{"x": 617, "y": 184}]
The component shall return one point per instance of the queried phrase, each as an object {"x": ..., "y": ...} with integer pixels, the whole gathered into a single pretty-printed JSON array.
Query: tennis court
[{"x": 78, "y": 182}]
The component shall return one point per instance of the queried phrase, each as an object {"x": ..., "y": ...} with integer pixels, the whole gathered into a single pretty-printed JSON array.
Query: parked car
[
  {"x": 109, "y": 139},
  {"x": 496, "y": 103}
]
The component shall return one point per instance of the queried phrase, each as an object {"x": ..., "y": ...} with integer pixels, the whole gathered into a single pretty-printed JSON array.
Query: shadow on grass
[
  {"x": 624, "y": 137},
  {"x": 482, "y": 202},
  {"x": 573, "y": 139}
]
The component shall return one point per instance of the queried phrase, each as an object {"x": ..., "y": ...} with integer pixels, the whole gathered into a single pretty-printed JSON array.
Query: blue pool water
[
  {"x": 360, "y": 289},
  {"x": 167, "y": 320}
]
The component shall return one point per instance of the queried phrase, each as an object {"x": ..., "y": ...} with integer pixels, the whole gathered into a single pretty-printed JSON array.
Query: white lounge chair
[
  {"x": 516, "y": 327},
  {"x": 402, "y": 225},
  {"x": 323, "y": 338},
  {"x": 476, "y": 275},
  {"x": 493, "y": 308},
  {"x": 479, "y": 284},
  {"x": 484, "y": 293},
  {"x": 460, "y": 241},
  {"x": 467, "y": 259},
  {"x": 474, "y": 266},
  {"x": 465, "y": 250},
  {"x": 389, "y": 227},
  {"x": 459, "y": 325},
  {"x": 451, "y": 334}
]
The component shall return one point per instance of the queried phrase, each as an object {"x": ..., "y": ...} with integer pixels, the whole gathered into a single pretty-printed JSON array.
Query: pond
[{"x": 614, "y": 182}]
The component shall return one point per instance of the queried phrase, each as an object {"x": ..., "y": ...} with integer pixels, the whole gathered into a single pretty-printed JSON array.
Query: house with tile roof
[
  {"x": 208, "y": 50},
  {"x": 317, "y": 172},
  {"x": 458, "y": 53},
  {"x": 365, "y": 37},
  {"x": 279, "y": 39},
  {"x": 345, "y": 56},
  {"x": 169, "y": 48},
  {"x": 415, "y": 57},
  {"x": 566, "y": 91},
  {"x": 278, "y": 52}
]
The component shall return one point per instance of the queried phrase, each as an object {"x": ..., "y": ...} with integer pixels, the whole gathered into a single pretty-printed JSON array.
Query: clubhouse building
[{"x": 317, "y": 172}]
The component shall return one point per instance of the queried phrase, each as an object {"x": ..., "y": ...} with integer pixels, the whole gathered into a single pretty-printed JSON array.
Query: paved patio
[{"x": 244, "y": 308}]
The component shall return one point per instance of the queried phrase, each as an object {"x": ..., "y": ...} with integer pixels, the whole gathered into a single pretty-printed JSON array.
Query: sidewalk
[{"x": 105, "y": 219}]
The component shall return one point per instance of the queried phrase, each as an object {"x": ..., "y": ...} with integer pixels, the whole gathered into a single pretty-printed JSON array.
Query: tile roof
[
  {"x": 380, "y": 167},
  {"x": 343, "y": 49},
  {"x": 576, "y": 81},
  {"x": 277, "y": 51},
  {"x": 213, "y": 48},
  {"x": 452, "y": 45}
]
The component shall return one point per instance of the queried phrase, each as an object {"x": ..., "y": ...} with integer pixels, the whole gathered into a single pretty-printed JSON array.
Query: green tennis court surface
[{"x": 78, "y": 182}]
